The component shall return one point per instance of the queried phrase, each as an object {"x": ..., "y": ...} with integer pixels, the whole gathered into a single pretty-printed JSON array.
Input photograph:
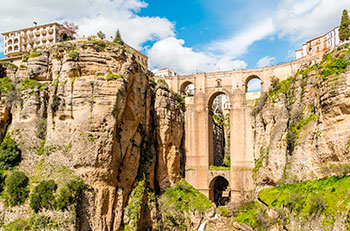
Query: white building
[
  {"x": 319, "y": 45},
  {"x": 20, "y": 41},
  {"x": 164, "y": 72}
]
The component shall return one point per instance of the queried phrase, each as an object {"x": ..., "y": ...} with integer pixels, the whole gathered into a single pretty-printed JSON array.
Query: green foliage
[
  {"x": 70, "y": 194},
  {"x": 112, "y": 76},
  {"x": 31, "y": 84},
  {"x": 163, "y": 82},
  {"x": 10, "y": 154},
  {"x": 34, "y": 54},
  {"x": 327, "y": 196},
  {"x": 347, "y": 146},
  {"x": 73, "y": 54},
  {"x": 258, "y": 163},
  {"x": 180, "y": 199},
  {"x": 344, "y": 30},
  {"x": 2, "y": 180},
  {"x": 101, "y": 35},
  {"x": 180, "y": 101},
  {"x": 34, "y": 223},
  {"x": 219, "y": 168},
  {"x": 222, "y": 120},
  {"x": 6, "y": 85},
  {"x": 16, "y": 188},
  {"x": 17, "y": 225},
  {"x": 43, "y": 196},
  {"x": 333, "y": 65},
  {"x": 247, "y": 213},
  {"x": 133, "y": 209},
  {"x": 184, "y": 197},
  {"x": 118, "y": 38},
  {"x": 222, "y": 211}
]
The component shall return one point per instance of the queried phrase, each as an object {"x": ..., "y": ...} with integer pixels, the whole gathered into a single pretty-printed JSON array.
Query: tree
[
  {"x": 67, "y": 31},
  {"x": 118, "y": 39},
  {"x": 101, "y": 35},
  {"x": 344, "y": 30}
]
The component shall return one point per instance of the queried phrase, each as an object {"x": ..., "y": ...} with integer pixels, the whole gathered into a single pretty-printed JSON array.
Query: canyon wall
[{"x": 87, "y": 109}]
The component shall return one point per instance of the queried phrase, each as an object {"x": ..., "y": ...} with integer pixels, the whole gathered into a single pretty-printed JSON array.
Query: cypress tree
[
  {"x": 118, "y": 38},
  {"x": 344, "y": 30}
]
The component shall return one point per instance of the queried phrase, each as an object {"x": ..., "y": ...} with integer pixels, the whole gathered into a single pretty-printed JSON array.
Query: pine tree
[
  {"x": 118, "y": 38},
  {"x": 344, "y": 30}
]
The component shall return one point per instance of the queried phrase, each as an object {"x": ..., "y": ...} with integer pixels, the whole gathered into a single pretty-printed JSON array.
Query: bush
[
  {"x": 17, "y": 225},
  {"x": 10, "y": 154},
  {"x": 16, "y": 188},
  {"x": 222, "y": 211},
  {"x": 2, "y": 179},
  {"x": 42, "y": 196},
  {"x": 70, "y": 194}
]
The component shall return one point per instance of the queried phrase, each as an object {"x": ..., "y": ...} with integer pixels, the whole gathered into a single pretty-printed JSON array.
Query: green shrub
[
  {"x": 70, "y": 194},
  {"x": 112, "y": 76},
  {"x": 43, "y": 196},
  {"x": 10, "y": 154},
  {"x": 34, "y": 54},
  {"x": 2, "y": 180},
  {"x": 17, "y": 225},
  {"x": 222, "y": 211},
  {"x": 219, "y": 168},
  {"x": 16, "y": 190}
]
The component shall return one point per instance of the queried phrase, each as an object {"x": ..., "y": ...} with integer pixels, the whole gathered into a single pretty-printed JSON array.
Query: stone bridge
[{"x": 198, "y": 124}]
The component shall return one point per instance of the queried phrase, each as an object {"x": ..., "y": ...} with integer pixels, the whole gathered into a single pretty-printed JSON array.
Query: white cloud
[
  {"x": 239, "y": 43},
  {"x": 90, "y": 15},
  {"x": 172, "y": 53},
  {"x": 266, "y": 61},
  {"x": 300, "y": 20}
]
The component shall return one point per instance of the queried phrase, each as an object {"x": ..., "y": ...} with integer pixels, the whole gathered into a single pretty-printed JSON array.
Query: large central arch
[{"x": 218, "y": 129}]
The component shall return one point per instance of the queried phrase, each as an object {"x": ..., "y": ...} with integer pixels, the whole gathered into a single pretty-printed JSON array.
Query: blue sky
[{"x": 191, "y": 35}]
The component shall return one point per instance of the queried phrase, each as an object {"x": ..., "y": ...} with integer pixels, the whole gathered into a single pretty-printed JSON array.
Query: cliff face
[
  {"x": 302, "y": 124},
  {"x": 90, "y": 108}
]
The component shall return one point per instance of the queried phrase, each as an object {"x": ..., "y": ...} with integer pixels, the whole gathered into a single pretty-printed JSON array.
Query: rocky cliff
[{"x": 86, "y": 109}]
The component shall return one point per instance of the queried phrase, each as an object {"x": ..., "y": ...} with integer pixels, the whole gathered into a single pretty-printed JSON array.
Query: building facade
[
  {"x": 21, "y": 41},
  {"x": 319, "y": 45},
  {"x": 164, "y": 72}
]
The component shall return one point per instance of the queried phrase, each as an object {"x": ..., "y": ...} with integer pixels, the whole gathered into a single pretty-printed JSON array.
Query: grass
[
  {"x": 218, "y": 168},
  {"x": 328, "y": 196}
]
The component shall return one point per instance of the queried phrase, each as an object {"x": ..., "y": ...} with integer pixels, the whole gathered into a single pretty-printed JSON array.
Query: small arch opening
[
  {"x": 219, "y": 191},
  {"x": 16, "y": 40},
  {"x": 219, "y": 131},
  {"x": 187, "y": 89},
  {"x": 253, "y": 84}
]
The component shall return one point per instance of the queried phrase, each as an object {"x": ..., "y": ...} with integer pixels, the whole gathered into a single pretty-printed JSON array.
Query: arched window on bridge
[
  {"x": 219, "y": 191},
  {"x": 187, "y": 89},
  {"x": 219, "y": 130},
  {"x": 253, "y": 86}
]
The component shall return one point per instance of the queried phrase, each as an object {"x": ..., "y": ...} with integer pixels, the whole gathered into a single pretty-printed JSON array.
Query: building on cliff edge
[
  {"x": 19, "y": 42},
  {"x": 320, "y": 44}
]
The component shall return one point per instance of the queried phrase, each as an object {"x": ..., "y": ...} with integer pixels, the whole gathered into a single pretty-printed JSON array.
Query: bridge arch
[
  {"x": 219, "y": 129},
  {"x": 219, "y": 190},
  {"x": 187, "y": 88},
  {"x": 251, "y": 84}
]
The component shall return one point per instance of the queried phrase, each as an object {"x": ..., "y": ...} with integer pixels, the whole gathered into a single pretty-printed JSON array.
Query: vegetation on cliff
[
  {"x": 344, "y": 30},
  {"x": 179, "y": 201}
]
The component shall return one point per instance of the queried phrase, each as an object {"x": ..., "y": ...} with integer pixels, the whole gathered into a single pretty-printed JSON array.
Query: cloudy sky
[{"x": 190, "y": 35}]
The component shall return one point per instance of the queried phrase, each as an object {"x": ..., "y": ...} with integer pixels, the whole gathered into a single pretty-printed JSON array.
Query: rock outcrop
[
  {"x": 94, "y": 111},
  {"x": 302, "y": 126}
]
